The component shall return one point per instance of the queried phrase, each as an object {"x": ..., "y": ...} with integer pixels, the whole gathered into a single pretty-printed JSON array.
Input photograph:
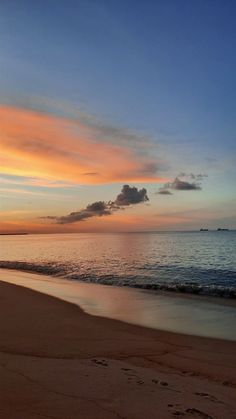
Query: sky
[{"x": 117, "y": 115}]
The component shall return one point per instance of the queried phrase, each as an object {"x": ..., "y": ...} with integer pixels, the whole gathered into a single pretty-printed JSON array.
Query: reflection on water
[
  {"x": 188, "y": 262},
  {"x": 178, "y": 314}
]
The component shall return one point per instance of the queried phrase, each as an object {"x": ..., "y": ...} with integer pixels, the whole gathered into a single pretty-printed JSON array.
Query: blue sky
[{"x": 164, "y": 69}]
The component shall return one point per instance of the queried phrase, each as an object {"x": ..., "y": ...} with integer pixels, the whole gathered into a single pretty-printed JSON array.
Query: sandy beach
[{"x": 58, "y": 362}]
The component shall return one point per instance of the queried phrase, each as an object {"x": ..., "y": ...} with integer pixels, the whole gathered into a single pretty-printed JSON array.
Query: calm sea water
[{"x": 192, "y": 262}]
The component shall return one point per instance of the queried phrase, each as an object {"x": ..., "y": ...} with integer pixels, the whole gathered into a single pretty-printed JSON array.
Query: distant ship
[
  {"x": 222, "y": 229},
  {"x": 204, "y": 229}
]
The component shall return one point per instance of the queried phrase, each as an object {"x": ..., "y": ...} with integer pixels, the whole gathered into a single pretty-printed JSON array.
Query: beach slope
[{"x": 58, "y": 362}]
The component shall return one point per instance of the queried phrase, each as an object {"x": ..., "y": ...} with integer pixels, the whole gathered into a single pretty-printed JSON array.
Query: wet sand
[
  {"x": 58, "y": 362},
  {"x": 173, "y": 312}
]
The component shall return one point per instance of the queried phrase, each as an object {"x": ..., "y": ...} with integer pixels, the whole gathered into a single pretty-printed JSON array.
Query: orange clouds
[{"x": 42, "y": 146}]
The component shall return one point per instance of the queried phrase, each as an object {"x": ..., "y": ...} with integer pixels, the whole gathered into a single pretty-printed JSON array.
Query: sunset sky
[{"x": 98, "y": 94}]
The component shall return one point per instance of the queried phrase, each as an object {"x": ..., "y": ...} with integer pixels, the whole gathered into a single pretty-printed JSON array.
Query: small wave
[
  {"x": 45, "y": 269},
  {"x": 60, "y": 270},
  {"x": 184, "y": 288}
]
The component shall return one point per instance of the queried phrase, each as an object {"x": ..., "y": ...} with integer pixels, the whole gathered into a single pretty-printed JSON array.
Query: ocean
[{"x": 201, "y": 263}]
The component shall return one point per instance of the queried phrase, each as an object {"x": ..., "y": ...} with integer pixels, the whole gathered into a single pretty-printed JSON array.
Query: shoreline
[
  {"x": 187, "y": 314},
  {"x": 58, "y": 361},
  {"x": 211, "y": 298}
]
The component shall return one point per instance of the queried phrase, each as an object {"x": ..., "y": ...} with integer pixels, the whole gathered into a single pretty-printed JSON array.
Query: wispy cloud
[
  {"x": 103, "y": 130},
  {"x": 198, "y": 177},
  {"x": 128, "y": 196},
  {"x": 39, "y": 145},
  {"x": 42, "y": 183},
  {"x": 24, "y": 193}
]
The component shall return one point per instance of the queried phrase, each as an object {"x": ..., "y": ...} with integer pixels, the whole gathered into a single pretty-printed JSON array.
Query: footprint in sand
[
  {"x": 208, "y": 396},
  {"x": 162, "y": 383},
  {"x": 176, "y": 413},
  {"x": 195, "y": 413},
  {"x": 130, "y": 373},
  {"x": 100, "y": 362},
  {"x": 140, "y": 382},
  {"x": 198, "y": 413},
  {"x": 155, "y": 381},
  {"x": 228, "y": 384}
]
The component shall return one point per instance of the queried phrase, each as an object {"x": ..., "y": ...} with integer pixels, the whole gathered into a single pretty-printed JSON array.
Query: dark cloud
[
  {"x": 182, "y": 185},
  {"x": 96, "y": 209},
  {"x": 131, "y": 195},
  {"x": 128, "y": 196},
  {"x": 164, "y": 192}
]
